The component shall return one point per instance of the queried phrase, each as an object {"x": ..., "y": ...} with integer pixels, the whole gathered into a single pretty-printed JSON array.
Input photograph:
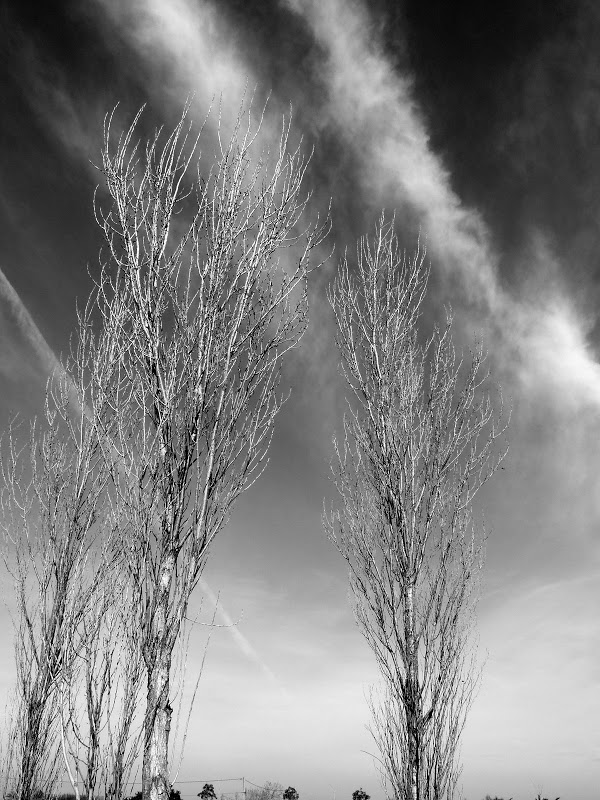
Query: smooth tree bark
[
  {"x": 420, "y": 440},
  {"x": 195, "y": 313}
]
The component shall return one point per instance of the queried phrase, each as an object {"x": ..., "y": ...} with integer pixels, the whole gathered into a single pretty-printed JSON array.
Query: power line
[{"x": 243, "y": 779}]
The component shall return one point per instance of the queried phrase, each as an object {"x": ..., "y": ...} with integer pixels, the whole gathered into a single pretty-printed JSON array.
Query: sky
[{"x": 477, "y": 123}]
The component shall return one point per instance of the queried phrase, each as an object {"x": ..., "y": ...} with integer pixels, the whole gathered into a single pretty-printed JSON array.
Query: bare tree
[
  {"x": 99, "y": 698},
  {"x": 77, "y": 665},
  {"x": 272, "y": 790},
  {"x": 419, "y": 442},
  {"x": 124, "y": 729},
  {"x": 85, "y": 693},
  {"x": 49, "y": 492},
  {"x": 195, "y": 313}
]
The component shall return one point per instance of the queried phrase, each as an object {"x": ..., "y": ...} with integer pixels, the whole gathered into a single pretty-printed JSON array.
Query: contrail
[
  {"x": 241, "y": 641},
  {"x": 33, "y": 335},
  {"x": 52, "y": 365},
  {"x": 28, "y": 328}
]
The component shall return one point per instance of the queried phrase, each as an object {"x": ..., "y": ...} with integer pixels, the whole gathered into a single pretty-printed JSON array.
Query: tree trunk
[
  {"x": 27, "y": 766},
  {"x": 155, "y": 768},
  {"x": 31, "y": 748},
  {"x": 412, "y": 704},
  {"x": 155, "y": 771},
  {"x": 116, "y": 787}
]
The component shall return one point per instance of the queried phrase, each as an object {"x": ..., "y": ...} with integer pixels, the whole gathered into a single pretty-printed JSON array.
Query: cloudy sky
[{"x": 479, "y": 124}]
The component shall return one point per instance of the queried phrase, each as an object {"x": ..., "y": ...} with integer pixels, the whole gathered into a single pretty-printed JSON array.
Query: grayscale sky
[{"x": 479, "y": 124}]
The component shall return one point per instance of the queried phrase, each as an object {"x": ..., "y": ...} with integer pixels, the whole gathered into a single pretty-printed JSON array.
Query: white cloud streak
[
  {"x": 27, "y": 326},
  {"x": 372, "y": 108},
  {"x": 185, "y": 49},
  {"x": 189, "y": 51},
  {"x": 240, "y": 640}
]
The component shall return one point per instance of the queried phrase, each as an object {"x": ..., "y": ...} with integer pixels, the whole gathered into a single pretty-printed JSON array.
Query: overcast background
[{"x": 479, "y": 123}]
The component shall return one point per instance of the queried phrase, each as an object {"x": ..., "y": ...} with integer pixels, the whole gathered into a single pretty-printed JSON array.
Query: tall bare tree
[
  {"x": 196, "y": 313},
  {"x": 419, "y": 442}
]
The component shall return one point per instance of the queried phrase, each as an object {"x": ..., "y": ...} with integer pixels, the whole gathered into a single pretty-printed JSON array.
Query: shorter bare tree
[
  {"x": 49, "y": 492},
  {"x": 124, "y": 724},
  {"x": 99, "y": 708},
  {"x": 419, "y": 442},
  {"x": 272, "y": 790}
]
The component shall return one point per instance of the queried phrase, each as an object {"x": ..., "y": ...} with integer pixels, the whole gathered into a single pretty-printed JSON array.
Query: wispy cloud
[
  {"x": 372, "y": 109},
  {"x": 49, "y": 363},
  {"x": 185, "y": 50},
  {"x": 60, "y": 106}
]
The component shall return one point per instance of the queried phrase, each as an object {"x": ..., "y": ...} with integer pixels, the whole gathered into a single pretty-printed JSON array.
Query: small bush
[{"x": 174, "y": 795}]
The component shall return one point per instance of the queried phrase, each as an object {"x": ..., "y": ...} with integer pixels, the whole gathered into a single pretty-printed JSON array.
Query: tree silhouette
[{"x": 174, "y": 794}]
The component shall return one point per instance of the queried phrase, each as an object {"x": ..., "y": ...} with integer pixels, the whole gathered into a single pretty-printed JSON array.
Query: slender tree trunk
[
  {"x": 155, "y": 772},
  {"x": 412, "y": 697},
  {"x": 120, "y": 764},
  {"x": 93, "y": 764},
  {"x": 33, "y": 741},
  {"x": 155, "y": 769},
  {"x": 94, "y": 711},
  {"x": 32, "y": 736},
  {"x": 37, "y": 699},
  {"x": 115, "y": 789}
]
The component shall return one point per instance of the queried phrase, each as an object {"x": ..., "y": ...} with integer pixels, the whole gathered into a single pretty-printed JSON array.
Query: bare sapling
[{"x": 99, "y": 704}]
